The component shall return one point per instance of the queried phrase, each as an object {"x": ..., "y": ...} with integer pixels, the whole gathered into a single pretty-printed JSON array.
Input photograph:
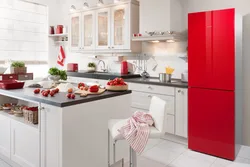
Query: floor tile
[
  {"x": 145, "y": 162},
  {"x": 244, "y": 152},
  {"x": 160, "y": 155},
  {"x": 200, "y": 156},
  {"x": 240, "y": 162},
  {"x": 152, "y": 143},
  {"x": 221, "y": 163},
  {"x": 187, "y": 161},
  {"x": 3, "y": 164},
  {"x": 175, "y": 147}
]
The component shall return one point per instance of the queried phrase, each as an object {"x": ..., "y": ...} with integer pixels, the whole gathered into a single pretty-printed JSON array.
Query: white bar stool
[{"x": 157, "y": 110}]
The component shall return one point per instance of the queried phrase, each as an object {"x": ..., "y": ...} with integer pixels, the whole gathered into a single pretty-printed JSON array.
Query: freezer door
[{"x": 211, "y": 122}]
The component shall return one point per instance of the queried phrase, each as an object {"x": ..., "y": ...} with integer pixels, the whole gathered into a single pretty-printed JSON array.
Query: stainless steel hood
[{"x": 168, "y": 36}]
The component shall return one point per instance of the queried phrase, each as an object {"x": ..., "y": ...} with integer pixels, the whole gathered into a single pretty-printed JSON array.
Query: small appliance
[{"x": 72, "y": 67}]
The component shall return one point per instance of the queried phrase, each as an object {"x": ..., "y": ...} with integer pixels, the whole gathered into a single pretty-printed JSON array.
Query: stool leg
[
  {"x": 114, "y": 149},
  {"x": 108, "y": 148},
  {"x": 132, "y": 158}
]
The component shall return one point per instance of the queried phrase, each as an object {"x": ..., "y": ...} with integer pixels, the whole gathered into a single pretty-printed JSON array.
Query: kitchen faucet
[{"x": 103, "y": 69}]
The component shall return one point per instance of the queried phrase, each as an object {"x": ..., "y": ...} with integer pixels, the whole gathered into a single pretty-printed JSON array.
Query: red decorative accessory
[{"x": 61, "y": 57}]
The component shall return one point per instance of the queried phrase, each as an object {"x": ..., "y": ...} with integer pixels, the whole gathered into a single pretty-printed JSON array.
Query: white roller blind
[{"x": 23, "y": 31}]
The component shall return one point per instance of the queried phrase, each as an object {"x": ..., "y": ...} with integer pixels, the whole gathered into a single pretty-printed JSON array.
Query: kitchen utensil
[
  {"x": 84, "y": 93},
  {"x": 163, "y": 77},
  {"x": 184, "y": 76},
  {"x": 145, "y": 74},
  {"x": 59, "y": 29},
  {"x": 72, "y": 67},
  {"x": 124, "y": 67},
  {"x": 52, "y": 30},
  {"x": 11, "y": 84},
  {"x": 117, "y": 88}
]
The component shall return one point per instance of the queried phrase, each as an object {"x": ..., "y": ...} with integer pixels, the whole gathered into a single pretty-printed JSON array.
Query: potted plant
[
  {"x": 18, "y": 67},
  {"x": 91, "y": 67},
  {"x": 56, "y": 74}
]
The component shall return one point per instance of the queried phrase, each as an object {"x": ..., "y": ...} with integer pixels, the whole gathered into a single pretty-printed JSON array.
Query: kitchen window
[{"x": 23, "y": 33}]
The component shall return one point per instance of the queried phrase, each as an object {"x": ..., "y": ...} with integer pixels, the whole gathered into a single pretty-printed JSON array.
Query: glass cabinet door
[
  {"x": 88, "y": 30},
  {"x": 75, "y": 38},
  {"x": 103, "y": 29},
  {"x": 120, "y": 28}
]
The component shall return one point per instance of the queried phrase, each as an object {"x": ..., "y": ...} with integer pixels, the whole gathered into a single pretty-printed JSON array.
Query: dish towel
[
  {"x": 61, "y": 56},
  {"x": 137, "y": 130}
]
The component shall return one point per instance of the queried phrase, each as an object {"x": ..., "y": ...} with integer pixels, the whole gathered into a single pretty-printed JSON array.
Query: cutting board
[{"x": 84, "y": 93}]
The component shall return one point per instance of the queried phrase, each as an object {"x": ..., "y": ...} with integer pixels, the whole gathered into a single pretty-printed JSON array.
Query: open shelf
[
  {"x": 18, "y": 119},
  {"x": 58, "y": 35}
]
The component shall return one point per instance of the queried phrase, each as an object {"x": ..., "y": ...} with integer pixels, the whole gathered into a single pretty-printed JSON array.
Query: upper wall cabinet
[
  {"x": 169, "y": 16},
  {"x": 108, "y": 29}
]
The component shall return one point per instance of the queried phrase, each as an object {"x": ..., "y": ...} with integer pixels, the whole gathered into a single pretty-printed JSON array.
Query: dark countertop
[
  {"x": 100, "y": 75},
  {"x": 156, "y": 81},
  {"x": 60, "y": 99}
]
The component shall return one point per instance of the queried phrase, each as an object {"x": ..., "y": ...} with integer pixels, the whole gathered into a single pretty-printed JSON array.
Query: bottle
[{"x": 124, "y": 67}]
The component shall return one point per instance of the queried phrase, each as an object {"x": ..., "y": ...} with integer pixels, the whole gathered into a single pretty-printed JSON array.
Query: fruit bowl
[
  {"x": 117, "y": 88},
  {"x": 117, "y": 84}
]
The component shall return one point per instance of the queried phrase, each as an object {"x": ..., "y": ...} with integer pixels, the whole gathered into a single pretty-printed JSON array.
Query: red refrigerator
[{"x": 215, "y": 82}]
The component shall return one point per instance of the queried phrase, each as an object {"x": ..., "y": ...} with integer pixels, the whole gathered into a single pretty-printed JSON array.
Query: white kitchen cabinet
[
  {"x": 181, "y": 112},
  {"x": 168, "y": 17},
  {"x": 88, "y": 30},
  {"x": 142, "y": 100},
  {"x": 106, "y": 30},
  {"x": 103, "y": 30},
  {"x": 75, "y": 32},
  {"x": 5, "y": 136},
  {"x": 170, "y": 124},
  {"x": 120, "y": 36},
  {"x": 25, "y": 144}
]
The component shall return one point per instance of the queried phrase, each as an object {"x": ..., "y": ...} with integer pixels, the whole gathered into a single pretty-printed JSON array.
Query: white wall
[{"x": 243, "y": 8}]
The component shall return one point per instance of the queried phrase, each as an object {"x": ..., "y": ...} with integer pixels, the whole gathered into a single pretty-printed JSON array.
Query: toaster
[{"x": 72, "y": 67}]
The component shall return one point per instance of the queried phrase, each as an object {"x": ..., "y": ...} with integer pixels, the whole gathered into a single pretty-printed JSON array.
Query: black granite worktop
[
  {"x": 155, "y": 81},
  {"x": 60, "y": 99},
  {"x": 101, "y": 75}
]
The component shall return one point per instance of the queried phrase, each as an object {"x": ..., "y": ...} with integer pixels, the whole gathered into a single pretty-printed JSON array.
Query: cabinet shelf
[
  {"x": 18, "y": 119},
  {"x": 58, "y": 35}
]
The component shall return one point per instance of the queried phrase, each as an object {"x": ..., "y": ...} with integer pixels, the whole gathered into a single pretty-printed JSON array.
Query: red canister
[
  {"x": 59, "y": 29},
  {"x": 124, "y": 67}
]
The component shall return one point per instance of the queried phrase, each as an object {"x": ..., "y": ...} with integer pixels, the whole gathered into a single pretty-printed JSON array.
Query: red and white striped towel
[{"x": 137, "y": 130}]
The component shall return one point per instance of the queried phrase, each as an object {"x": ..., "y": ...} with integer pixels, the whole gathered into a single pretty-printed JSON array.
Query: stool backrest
[{"x": 157, "y": 111}]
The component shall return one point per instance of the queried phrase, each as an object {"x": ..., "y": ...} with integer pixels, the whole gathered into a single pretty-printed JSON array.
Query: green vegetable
[
  {"x": 92, "y": 65},
  {"x": 56, "y": 71},
  {"x": 17, "y": 64}
]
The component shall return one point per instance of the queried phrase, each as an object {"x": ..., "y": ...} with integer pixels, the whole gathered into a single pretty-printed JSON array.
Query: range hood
[
  {"x": 155, "y": 37},
  {"x": 161, "y": 21}
]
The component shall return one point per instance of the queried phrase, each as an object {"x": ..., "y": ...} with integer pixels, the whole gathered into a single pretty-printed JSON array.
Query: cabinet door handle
[
  {"x": 149, "y": 87},
  {"x": 113, "y": 47},
  {"x": 179, "y": 91},
  {"x": 109, "y": 47},
  {"x": 42, "y": 108},
  {"x": 11, "y": 77},
  {"x": 150, "y": 96}
]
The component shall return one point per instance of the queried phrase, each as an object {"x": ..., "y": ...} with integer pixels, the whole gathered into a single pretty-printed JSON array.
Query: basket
[{"x": 30, "y": 116}]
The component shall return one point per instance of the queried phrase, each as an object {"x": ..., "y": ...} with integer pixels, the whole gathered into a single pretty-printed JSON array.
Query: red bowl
[{"x": 12, "y": 84}]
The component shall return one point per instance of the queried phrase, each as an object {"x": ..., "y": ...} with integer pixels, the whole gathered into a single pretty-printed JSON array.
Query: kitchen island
[{"x": 69, "y": 133}]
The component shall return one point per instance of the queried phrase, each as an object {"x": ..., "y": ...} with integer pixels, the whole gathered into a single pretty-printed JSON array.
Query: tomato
[{"x": 81, "y": 85}]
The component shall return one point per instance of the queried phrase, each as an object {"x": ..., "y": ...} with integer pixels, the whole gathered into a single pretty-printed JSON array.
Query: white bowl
[{"x": 2, "y": 70}]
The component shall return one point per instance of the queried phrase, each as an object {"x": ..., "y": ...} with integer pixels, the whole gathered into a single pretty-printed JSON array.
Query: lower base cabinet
[
  {"x": 24, "y": 145},
  {"x": 5, "y": 136}
]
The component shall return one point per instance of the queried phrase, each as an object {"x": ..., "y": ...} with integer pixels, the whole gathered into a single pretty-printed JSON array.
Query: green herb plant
[
  {"x": 91, "y": 65},
  {"x": 18, "y": 64},
  {"x": 55, "y": 71}
]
